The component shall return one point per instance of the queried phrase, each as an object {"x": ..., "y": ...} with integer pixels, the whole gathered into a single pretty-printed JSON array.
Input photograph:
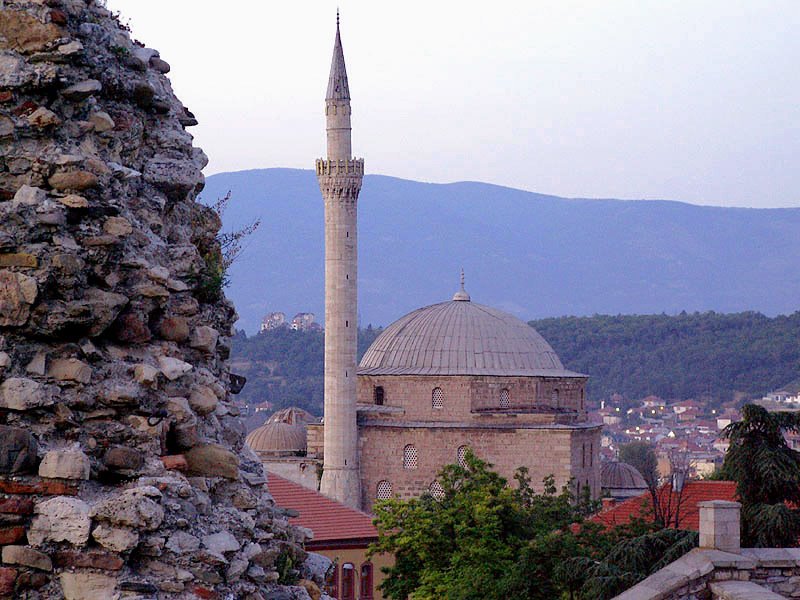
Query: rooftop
[{"x": 332, "y": 523}]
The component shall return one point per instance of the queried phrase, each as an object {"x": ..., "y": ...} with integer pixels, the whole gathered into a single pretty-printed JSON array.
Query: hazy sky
[{"x": 693, "y": 100}]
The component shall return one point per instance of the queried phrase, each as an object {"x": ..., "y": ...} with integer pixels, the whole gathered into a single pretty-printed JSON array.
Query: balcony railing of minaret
[{"x": 354, "y": 166}]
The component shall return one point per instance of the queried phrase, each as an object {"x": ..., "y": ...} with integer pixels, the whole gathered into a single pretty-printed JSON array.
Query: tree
[
  {"x": 480, "y": 539},
  {"x": 767, "y": 475},
  {"x": 470, "y": 541},
  {"x": 641, "y": 456}
]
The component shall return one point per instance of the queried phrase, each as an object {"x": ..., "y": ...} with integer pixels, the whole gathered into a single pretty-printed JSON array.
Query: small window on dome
[
  {"x": 462, "y": 456},
  {"x": 410, "y": 457},
  {"x": 384, "y": 490},
  {"x": 436, "y": 490},
  {"x": 505, "y": 398},
  {"x": 379, "y": 395},
  {"x": 437, "y": 398}
]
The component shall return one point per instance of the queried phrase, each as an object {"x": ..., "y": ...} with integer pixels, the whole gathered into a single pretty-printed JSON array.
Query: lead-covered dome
[
  {"x": 278, "y": 437},
  {"x": 461, "y": 338}
]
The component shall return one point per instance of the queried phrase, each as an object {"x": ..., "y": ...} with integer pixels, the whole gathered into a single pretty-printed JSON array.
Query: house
[
  {"x": 341, "y": 533},
  {"x": 683, "y": 507}
]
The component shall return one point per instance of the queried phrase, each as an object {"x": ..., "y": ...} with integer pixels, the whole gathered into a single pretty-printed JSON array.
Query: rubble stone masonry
[{"x": 123, "y": 469}]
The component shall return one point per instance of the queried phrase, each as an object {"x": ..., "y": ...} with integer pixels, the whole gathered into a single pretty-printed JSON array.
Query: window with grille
[
  {"x": 410, "y": 457},
  {"x": 365, "y": 583},
  {"x": 379, "y": 395},
  {"x": 436, "y": 490},
  {"x": 437, "y": 398},
  {"x": 462, "y": 456},
  {"x": 554, "y": 397},
  {"x": 348, "y": 581},
  {"x": 384, "y": 491},
  {"x": 505, "y": 398}
]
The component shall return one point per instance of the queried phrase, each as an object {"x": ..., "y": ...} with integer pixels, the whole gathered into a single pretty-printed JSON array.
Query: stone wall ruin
[{"x": 123, "y": 470}]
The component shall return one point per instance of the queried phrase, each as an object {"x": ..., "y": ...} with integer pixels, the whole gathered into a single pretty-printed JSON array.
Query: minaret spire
[{"x": 340, "y": 178}]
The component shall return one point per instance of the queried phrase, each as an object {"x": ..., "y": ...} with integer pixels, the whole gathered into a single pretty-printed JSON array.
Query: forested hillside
[
  {"x": 284, "y": 367},
  {"x": 683, "y": 356},
  {"x": 676, "y": 357}
]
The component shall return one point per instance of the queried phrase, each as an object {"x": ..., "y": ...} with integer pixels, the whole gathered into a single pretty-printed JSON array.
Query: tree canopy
[
  {"x": 480, "y": 539},
  {"x": 767, "y": 475}
]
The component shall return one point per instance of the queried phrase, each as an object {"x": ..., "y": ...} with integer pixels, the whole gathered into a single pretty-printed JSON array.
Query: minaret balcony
[{"x": 350, "y": 166}]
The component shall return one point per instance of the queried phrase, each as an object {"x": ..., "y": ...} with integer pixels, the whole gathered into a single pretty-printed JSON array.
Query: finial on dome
[
  {"x": 461, "y": 295},
  {"x": 337, "y": 17}
]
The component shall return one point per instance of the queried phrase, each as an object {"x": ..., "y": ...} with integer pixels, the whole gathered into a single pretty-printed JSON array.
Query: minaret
[{"x": 340, "y": 178}]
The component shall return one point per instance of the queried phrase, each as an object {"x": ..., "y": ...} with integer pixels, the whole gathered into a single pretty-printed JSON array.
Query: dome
[
  {"x": 278, "y": 437},
  {"x": 620, "y": 475},
  {"x": 293, "y": 416},
  {"x": 461, "y": 338}
]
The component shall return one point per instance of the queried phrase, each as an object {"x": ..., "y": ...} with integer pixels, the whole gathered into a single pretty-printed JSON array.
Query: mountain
[{"x": 530, "y": 254}]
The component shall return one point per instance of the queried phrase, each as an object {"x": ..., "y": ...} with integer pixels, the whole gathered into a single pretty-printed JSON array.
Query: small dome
[
  {"x": 278, "y": 437},
  {"x": 292, "y": 415},
  {"x": 620, "y": 475},
  {"x": 461, "y": 338}
]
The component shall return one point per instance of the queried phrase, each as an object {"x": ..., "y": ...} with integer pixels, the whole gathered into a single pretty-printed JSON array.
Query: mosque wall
[
  {"x": 460, "y": 397},
  {"x": 409, "y": 458}
]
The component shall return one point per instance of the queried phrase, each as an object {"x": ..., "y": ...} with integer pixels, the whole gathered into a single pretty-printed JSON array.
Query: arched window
[
  {"x": 348, "y": 582},
  {"x": 462, "y": 456},
  {"x": 410, "y": 457},
  {"x": 384, "y": 490},
  {"x": 365, "y": 583},
  {"x": 505, "y": 398},
  {"x": 437, "y": 398},
  {"x": 332, "y": 582},
  {"x": 379, "y": 395},
  {"x": 436, "y": 490}
]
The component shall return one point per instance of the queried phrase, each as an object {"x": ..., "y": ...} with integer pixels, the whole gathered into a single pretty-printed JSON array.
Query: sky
[{"x": 691, "y": 100}]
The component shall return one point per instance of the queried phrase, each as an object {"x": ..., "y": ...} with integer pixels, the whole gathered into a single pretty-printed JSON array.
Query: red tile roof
[
  {"x": 694, "y": 492},
  {"x": 330, "y": 521}
]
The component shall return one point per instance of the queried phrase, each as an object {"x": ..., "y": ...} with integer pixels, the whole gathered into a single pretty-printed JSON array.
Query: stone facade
[
  {"x": 123, "y": 469},
  {"x": 527, "y": 433}
]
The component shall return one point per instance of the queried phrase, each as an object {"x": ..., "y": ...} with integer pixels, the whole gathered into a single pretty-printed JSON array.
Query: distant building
[
  {"x": 273, "y": 320},
  {"x": 303, "y": 322}
]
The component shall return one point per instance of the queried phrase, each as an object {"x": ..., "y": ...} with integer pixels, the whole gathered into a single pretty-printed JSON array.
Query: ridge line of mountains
[{"x": 530, "y": 254}]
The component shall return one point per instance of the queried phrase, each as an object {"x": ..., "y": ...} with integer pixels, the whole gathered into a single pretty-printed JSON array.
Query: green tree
[
  {"x": 767, "y": 475},
  {"x": 467, "y": 542}
]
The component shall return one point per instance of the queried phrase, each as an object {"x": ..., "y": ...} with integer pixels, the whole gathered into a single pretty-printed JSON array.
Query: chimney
[{"x": 719, "y": 525}]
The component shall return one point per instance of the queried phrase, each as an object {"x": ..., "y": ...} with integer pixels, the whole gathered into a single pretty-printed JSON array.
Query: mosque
[{"x": 442, "y": 379}]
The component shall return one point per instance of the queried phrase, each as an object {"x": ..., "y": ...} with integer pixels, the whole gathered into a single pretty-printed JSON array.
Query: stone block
[
  {"x": 82, "y": 90},
  {"x": 137, "y": 508},
  {"x": 175, "y": 329},
  {"x": 204, "y": 338},
  {"x": 118, "y": 539},
  {"x": 23, "y": 260},
  {"x": 145, "y": 374},
  {"x": 17, "y": 293},
  {"x": 70, "y": 369},
  {"x": 203, "y": 400},
  {"x": 60, "y": 519},
  {"x": 173, "y": 368},
  {"x": 65, "y": 464},
  {"x": 213, "y": 460},
  {"x": 22, "y": 32},
  {"x": 87, "y": 586},
  {"x": 11, "y": 535},
  {"x": 26, "y": 557}
]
